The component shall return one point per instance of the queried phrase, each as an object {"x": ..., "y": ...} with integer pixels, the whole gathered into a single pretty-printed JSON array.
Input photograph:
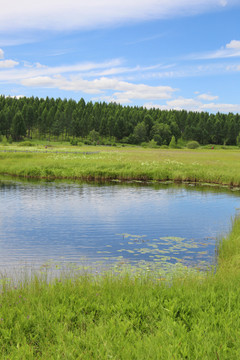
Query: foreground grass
[
  {"x": 127, "y": 163},
  {"x": 126, "y": 316}
]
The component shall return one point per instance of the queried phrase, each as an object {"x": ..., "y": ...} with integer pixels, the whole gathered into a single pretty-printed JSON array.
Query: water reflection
[{"x": 163, "y": 224}]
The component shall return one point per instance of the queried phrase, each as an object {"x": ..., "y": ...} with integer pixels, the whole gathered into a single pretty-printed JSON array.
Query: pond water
[{"x": 62, "y": 223}]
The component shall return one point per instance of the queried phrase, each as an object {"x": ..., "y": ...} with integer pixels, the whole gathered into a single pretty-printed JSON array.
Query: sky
[{"x": 178, "y": 54}]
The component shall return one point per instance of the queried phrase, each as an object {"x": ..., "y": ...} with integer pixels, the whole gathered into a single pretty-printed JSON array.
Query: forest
[{"x": 68, "y": 120}]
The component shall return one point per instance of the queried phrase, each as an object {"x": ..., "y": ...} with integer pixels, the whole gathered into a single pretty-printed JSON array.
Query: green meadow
[
  {"x": 125, "y": 315},
  {"x": 216, "y": 166}
]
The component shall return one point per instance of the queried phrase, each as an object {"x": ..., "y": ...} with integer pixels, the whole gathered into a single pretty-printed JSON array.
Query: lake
[{"x": 44, "y": 223}]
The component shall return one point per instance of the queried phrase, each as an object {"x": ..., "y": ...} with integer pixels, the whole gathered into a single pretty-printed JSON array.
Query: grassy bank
[
  {"x": 126, "y": 317},
  {"x": 192, "y": 316},
  {"x": 125, "y": 163}
]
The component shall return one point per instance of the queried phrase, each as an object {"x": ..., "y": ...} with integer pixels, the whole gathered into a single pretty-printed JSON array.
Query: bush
[
  {"x": 4, "y": 140},
  {"x": 173, "y": 143},
  {"x": 74, "y": 142},
  {"x": 94, "y": 136},
  {"x": 192, "y": 145},
  {"x": 181, "y": 143},
  {"x": 153, "y": 144},
  {"x": 87, "y": 142},
  {"x": 125, "y": 140}
]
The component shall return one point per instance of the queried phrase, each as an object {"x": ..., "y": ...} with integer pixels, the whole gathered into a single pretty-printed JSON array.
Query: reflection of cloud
[
  {"x": 84, "y": 202},
  {"x": 72, "y": 14}
]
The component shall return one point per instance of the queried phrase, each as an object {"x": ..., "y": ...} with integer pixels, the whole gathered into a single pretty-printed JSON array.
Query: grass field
[
  {"x": 193, "y": 315},
  {"x": 124, "y": 163}
]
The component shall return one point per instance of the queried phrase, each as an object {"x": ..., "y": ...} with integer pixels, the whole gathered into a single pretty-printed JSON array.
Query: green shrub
[
  {"x": 87, "y": 142},
  {"x": 173, "y": 143},
  {"x": 74, "y": 142},
  {"x": 94, "y": 136},
  {"x": 4, "y": 140},
  {"x": 192, "y": 145},
  {"x": 153, "y": 144},
  {"x": 181, "y": 143}
]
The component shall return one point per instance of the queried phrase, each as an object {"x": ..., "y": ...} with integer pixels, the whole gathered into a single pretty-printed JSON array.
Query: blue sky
[{"x": 178, "y": 54}]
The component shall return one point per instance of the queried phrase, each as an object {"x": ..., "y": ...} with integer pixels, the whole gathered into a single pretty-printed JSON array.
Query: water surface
[{"x": 67, "y": 223}]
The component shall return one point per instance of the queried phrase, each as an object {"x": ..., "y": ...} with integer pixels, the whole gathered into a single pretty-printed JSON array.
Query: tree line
[{"x": 65, "y": 119}]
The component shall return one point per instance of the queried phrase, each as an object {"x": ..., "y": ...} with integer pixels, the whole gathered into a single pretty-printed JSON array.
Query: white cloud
[
  {"x": 231, "y": 49},
  {"x": 6, "y": 64},
  {"x": 224, "y": 108},
  {"x": 186, "y": 104},
  {"x": 191, "y": 104},
  {"x": 29, "y": 70},
  {"x": 89, "y": 78},
  {"x": 234, "y": 44},
  {"x": 207, "y": 97},
  {"x": 122, "y": 91},
  {"x": 109, "y": 81},
  {"x": 75, "y": 14}
]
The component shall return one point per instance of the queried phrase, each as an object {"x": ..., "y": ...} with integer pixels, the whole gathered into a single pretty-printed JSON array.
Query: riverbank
[
  {"x": 194, "y": 316},
  {"x": 124, "y": 163}
]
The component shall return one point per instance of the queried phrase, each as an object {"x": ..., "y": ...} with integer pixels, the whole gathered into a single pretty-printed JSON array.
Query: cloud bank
[{"x": 75, "y": 14}]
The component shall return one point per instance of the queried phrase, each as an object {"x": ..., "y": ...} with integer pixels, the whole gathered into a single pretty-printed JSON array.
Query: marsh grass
[
  {"x": 120, "y": 317},
  {"x": 128, "y": 163}
]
